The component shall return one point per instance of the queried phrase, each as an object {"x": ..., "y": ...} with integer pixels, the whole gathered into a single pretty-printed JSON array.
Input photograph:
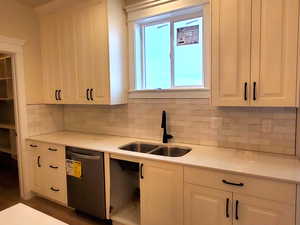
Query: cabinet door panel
[
  {"x": 274, "y": 51},
  {"x": 206, "y": 206},
  {"x": 50, "y": 57},
  {"x": 231, "y": 41},
  {"x": 66, "y": 49},
  {"x": 161, "y": 194},
  {"x": 39, "y": 169},
  {"x": 91, "y": 52},
  {"x": 99, "y": 76},
  {"x": 254, "y": 211}
]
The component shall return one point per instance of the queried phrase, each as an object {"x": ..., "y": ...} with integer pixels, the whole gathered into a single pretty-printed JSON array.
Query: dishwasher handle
[{"x": 83, "y": 156}]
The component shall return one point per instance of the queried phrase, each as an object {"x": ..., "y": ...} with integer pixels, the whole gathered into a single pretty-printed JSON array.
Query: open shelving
[
  {"x": 7, "y": 115},
  {"x": 125, "y": 192}
]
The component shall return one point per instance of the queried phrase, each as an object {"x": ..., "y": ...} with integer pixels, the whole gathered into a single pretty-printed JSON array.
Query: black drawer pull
[
  {"x": 246, "y": 91},
  {"x": 254, "y": 91},
  {"x": 227, "y": 207},
  {"x": 53, "y": 167},
  {"x": 234, "y": 184},
  {"x": 56, "y": 95},
  {"x": 54, "y": 189},
  {"x": 52, "y": 149},
  {"x": 142, "y": 171},
  {"x": 88, "y": 94},
  {"x": 33, "y": 146},
  {"x": 38, "y": 161},
  {"x": 237, "y": 210},
  {"x": 91, "y": 94},
  {"x": 59, "y": 95}
]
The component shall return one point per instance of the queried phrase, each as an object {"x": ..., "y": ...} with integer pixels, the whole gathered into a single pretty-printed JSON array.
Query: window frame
[
  {"x": 140, "y": 13},
  {"x": 171, "y": 20}
]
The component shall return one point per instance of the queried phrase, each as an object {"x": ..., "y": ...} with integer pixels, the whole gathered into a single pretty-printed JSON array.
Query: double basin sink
[{"x": 156, "y": 149}]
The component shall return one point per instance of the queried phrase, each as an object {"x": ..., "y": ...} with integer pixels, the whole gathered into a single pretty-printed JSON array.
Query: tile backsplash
[
  {"x": 192, "y": 121},
  {"x": 44, "y": 119}
]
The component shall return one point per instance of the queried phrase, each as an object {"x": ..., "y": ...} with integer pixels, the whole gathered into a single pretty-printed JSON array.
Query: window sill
[{"x": 203, "y": 93}]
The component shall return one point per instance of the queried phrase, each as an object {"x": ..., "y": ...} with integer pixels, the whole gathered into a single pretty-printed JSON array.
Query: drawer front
[
  {"x": 55, "y": 153},
  {"x": 56, "y": 187},
  {"x": 33, "y": 145},
  {"x": 263, "y": 188},
  {"x": 55, "y": 168}
]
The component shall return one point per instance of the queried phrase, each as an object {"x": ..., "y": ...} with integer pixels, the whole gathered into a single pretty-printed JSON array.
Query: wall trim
[{"x": 14, "y": 47}]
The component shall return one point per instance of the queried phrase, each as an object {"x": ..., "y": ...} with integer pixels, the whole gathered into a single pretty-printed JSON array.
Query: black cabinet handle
[
  {"x": 234, "y": 184},
  {"x": 38, "y": 161},
  {"x": 227, "y": 207},
  {"x": 59, "y": 95},
  {"x": 237, "y": 210},
  {"x": 33, "y": 146},
  {"x": 52, "y": 149},
  {"x": 246, "y": 91},
  {"x": 53, "y": 167},
  {"x": 88, "y": 94},
  {"x": 254, "y": 91},
  {"x": 56, "y": 96},
  {"x": 91, "y": 94},
  {"x": 142, "y": 171},
  {"x": 54, "y": 189}
]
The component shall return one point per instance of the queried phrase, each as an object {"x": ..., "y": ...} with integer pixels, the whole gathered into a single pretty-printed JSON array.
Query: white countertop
[
  {"x": 257, "y": 164},
  {"x": 21, "y": 214}
]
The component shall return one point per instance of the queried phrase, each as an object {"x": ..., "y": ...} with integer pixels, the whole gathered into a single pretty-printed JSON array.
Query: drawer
[
  {"x": 33, "y": 145},
  {"x": 262, "y": 188},
  {"x": 56, "y": 187},
  {"x": 55, "y": 168},
  {"x": 55, "y": 153}
]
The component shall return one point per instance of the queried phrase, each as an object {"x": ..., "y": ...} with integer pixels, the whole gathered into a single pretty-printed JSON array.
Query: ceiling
[{"x": 34, "y": 3}]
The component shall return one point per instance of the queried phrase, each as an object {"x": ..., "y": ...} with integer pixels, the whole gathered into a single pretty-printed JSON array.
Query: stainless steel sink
[
  {"x": 171, "y": 151},
  {"x": 156, "y": 149},
  {"x": 139, "y": 147}
]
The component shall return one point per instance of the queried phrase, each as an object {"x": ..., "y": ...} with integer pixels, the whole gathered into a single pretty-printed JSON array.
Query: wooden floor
[{"x": 9, "y": 196}]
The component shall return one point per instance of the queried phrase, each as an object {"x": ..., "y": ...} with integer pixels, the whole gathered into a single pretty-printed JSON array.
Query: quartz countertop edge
[{"x": 269, "y": 166}]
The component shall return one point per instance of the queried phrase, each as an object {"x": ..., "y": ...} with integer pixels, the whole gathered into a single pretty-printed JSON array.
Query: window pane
[
  {"x": 157, "y": 56},
  {"x": 188, "y": 52}
]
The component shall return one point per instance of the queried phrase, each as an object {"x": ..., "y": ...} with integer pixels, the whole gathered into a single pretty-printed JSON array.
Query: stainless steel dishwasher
[{"x": 86, "y": 184}]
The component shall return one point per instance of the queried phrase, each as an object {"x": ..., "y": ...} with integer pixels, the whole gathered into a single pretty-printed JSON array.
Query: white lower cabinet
[
  {"x": 211, "y": 200},
  {"x": 49, "y": 171},
  {"x": 161, "y": 193},
  {"x": 255, "y": 211},
  {"x": 206, "y": 206}
]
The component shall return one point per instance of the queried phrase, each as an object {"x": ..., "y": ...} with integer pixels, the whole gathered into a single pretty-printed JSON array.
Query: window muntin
[{"x": 165, "y": 64}]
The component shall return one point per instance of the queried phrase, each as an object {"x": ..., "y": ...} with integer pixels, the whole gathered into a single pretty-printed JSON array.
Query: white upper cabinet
[
  {"x": 274, "y": 52},
  {"x": 255, "y": 45},
  {"x": 231, "y": 51},
  {"x": 79, "y": 46}
]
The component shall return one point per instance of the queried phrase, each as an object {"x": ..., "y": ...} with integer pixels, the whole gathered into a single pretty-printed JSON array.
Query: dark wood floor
[{"x": 9, "y": 196}]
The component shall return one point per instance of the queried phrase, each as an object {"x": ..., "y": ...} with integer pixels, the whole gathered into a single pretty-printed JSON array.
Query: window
[{"x": 171, "y": 53}]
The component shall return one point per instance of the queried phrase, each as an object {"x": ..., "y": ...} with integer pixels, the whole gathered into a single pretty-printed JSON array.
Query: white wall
[{"x": 20, "y": 21}]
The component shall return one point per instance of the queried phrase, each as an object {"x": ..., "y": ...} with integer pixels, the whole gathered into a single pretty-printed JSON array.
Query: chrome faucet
[{"x": 166, "y": 136}]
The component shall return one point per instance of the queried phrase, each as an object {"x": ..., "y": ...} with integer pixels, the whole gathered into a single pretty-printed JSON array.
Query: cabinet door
[
  {"x": 66, "y": 55},
  {"x": 91, "y": 52},
  {"x": 50, "y": 57},
  {"x": 39, "y": 169},
  {"x": 231, "y": 51},
  {"x": 161, "y": 194},
  {"x": 274, "y": 52},
  {"x": 206, "y": 206},
  {"x": 254, "y": 211}
]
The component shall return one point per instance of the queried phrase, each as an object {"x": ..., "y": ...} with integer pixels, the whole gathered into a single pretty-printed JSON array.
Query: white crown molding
[
  {"x": 12, "y": 41},
  {"x": 146, "y": 4}
]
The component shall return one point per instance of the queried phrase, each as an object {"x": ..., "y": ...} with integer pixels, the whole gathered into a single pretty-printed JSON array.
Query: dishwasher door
[{"x": 87, "y": 193}]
